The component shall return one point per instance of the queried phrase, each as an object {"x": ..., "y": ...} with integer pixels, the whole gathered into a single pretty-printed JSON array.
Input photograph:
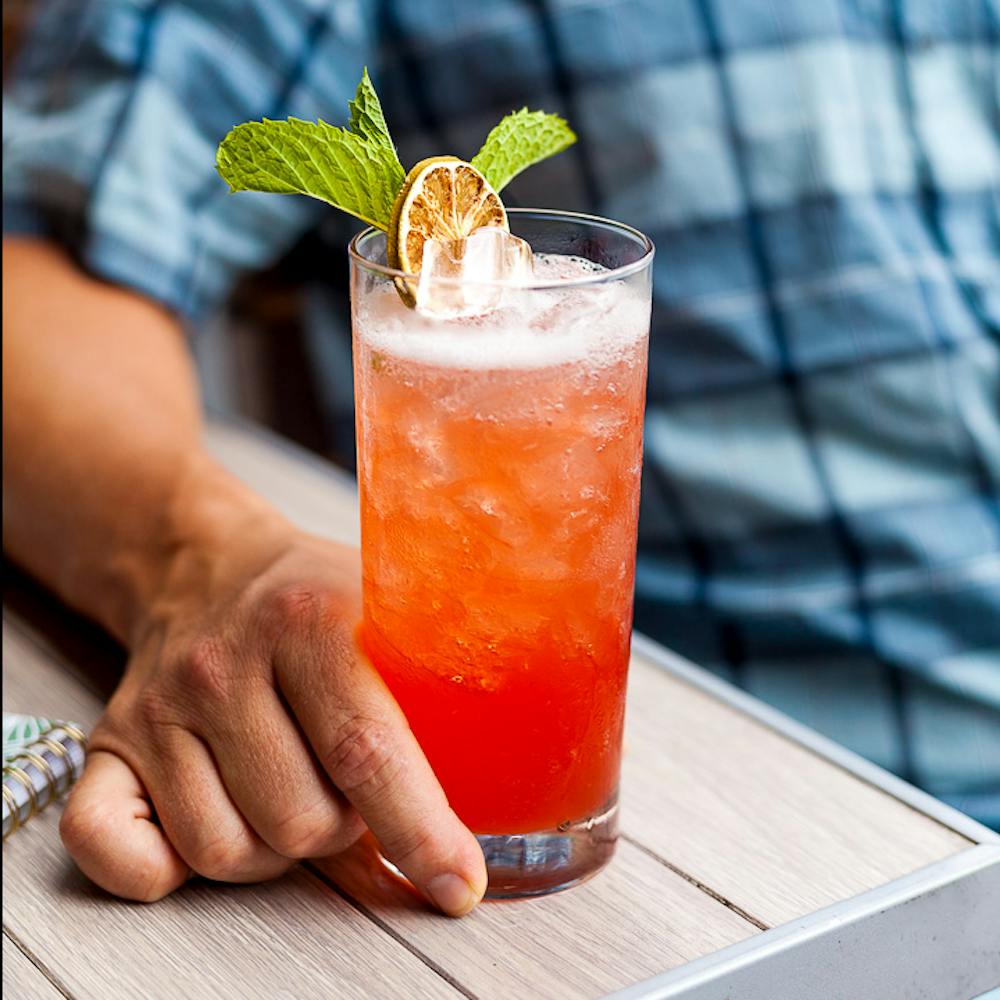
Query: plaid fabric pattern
[{"x": 820, "y": 516}]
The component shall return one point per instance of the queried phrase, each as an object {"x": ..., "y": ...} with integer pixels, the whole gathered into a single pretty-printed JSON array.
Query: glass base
[{"x": 535, "y": 864}]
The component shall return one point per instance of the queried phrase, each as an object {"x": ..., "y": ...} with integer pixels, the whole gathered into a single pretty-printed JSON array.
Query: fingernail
[{"x": 452, "y": 894}]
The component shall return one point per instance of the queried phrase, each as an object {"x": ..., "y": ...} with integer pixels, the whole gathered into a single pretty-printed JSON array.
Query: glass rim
[{"x": 552, "y": 214}]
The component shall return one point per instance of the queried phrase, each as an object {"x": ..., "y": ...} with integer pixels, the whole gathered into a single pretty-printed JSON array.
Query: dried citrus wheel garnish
[{"x": 442, "y": 198}]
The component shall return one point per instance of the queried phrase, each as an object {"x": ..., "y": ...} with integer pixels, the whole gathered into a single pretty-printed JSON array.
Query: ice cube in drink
[{"x": 469, "y": 277}]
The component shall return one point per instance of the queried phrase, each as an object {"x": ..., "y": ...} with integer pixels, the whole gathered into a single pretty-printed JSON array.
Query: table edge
[
  {"x": 817, "y": 743},
  {"x": 932, "y": 897}
]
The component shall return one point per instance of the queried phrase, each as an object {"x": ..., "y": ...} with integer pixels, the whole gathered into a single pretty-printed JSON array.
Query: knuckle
[
  {"x": 407, "y": 843},
  {"x": 141, "y": 881},
  {"x": 291, "y": 606},
  {"x": 351, "y": 828},
  {"x": 361, "y": 758},
  {"x": 151, "y": 708},
  {"x": 148, "y": 887},
  {"x": 303, "y": 834},
  {"x": 205, "y": 670},
  {"x": 221, "y": 860},
  {"x": 82, "y": 827}
]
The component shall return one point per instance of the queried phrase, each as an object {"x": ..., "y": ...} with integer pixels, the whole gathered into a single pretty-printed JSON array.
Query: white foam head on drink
[{"x": 532, "y": 327}]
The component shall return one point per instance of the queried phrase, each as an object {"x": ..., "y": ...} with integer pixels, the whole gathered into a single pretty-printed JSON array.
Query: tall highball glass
[{"x": 499, "y": 458}]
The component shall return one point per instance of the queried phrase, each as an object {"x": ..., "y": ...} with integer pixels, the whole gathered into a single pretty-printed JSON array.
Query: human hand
[{"x": 248, "y": 732}]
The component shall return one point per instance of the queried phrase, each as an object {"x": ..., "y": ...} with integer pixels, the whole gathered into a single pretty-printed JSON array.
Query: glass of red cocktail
[{"x": 499, "y": 459}]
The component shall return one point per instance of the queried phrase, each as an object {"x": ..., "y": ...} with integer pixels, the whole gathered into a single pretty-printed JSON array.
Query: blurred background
[
  {"x": 821, "y": 496},
  {"x": 252, "y": 356}
]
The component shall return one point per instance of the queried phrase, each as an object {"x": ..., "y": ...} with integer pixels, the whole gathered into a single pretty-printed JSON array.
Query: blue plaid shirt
[{"x": 820, "y": 516}]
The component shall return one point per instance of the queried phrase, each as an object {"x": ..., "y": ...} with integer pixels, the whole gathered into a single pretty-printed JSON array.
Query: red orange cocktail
[{"x": 499, "y": 460}]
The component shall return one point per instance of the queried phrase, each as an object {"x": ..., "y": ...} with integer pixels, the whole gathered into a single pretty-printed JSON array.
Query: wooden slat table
[{"x": 758, "y": 861}]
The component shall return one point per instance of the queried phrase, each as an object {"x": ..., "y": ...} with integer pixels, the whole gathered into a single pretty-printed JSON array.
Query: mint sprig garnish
[
  {"x": 368, "y": 121},
  {"x": 522, "y": 139},
  {"x": 313, "y": 158},
  {"x": 356, "y": 169}
]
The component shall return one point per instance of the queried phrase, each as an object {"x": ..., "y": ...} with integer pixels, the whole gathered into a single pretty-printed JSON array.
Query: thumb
[
  {"x": 108, "y": 829},
  {"x": 363, "y": 741}
]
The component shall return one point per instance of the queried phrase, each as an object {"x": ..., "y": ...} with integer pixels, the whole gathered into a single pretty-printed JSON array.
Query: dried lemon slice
[{"x": 442, "y": 198}]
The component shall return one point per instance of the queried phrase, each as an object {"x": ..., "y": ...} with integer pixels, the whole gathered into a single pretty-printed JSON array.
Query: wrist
[{"x": 208, "y": 524}]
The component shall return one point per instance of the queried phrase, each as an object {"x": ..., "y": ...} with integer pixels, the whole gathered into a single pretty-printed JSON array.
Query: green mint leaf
[
  {"x": 522, "y": 138},
  {"x": 368, "y": 121},
  {"x": 337, "y": 166},
  {"x": 357, "y": 169}
]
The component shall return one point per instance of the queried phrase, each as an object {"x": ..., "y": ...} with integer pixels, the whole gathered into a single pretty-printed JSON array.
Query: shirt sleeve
[{"x": 113, "y": 114}]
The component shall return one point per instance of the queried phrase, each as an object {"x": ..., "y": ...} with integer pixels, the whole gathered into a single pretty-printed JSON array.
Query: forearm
[
  {"x": 105, "y": 477},
  {"x": 236, "y": 622}
]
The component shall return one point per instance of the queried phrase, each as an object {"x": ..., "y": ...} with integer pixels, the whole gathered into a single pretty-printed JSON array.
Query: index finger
[{"x": 362, "y": 738}]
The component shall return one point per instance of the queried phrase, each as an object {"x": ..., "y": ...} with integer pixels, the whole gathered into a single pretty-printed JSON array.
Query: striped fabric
[{"x": 820, "y": 516}]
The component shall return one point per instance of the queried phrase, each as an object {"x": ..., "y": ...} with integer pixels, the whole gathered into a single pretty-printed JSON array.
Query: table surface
[{"x": 730, "y": 827}]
